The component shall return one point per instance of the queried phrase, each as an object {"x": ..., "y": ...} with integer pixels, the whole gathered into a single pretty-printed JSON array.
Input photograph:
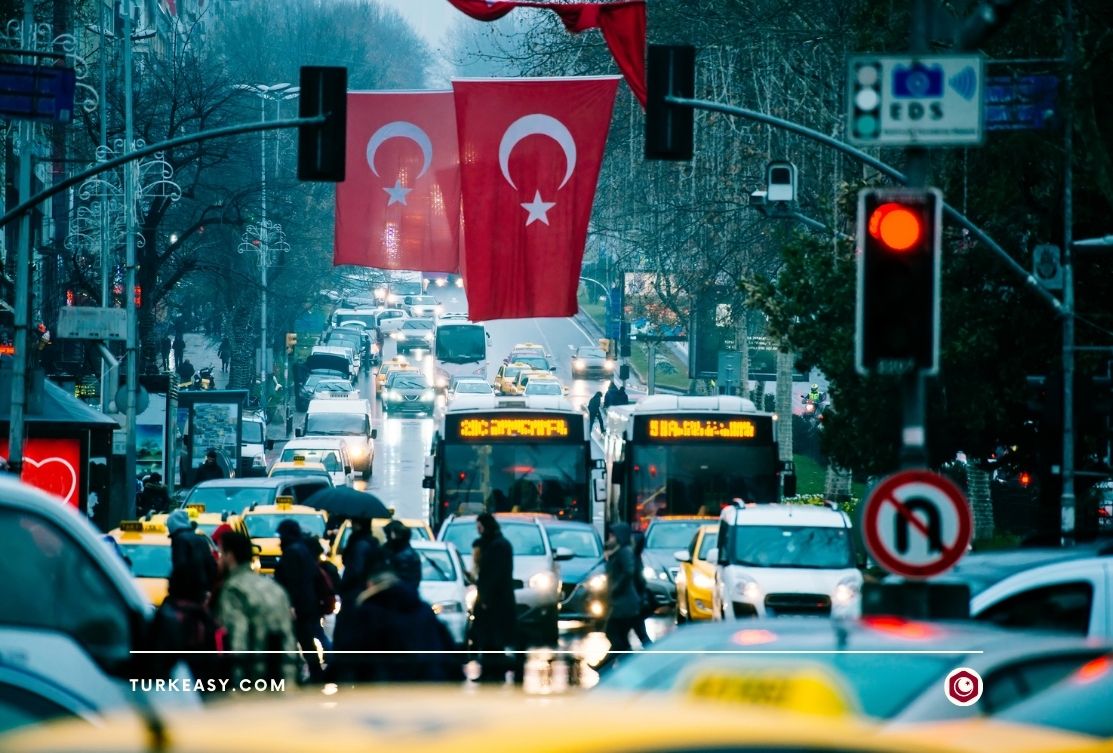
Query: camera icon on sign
[
  {"x": 917, "y": 81},
  {"x": 963, "y": 686}
]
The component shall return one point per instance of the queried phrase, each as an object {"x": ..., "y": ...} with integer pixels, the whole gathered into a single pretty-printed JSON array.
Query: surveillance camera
[{"x": 757, "y": 198}]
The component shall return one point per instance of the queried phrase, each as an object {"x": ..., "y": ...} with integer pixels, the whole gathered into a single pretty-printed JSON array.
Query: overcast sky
[{"x": 431, "y": 18}]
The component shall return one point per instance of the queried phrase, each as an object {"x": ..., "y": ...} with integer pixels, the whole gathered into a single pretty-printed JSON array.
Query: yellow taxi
[
  {"x": 419, "y": 529},
  {"x": 542, "y": 383},
  {"x": 390, "y": 364},
  {"x": 425, "y": 719},
  {"x": 146, "y": 544},
  {"x": 260, "y": 524},
  {"x": 696, "y": 595},
  {"x": 507, "y": 375},
  {"x": 207, "y": 522}
]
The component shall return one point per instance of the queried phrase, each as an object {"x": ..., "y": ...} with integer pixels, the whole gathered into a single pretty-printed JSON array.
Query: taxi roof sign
[
  {"x": 198, "y": 506},
  {"x": 131, "y": 526},
  {"x": 809, "y": 691},
  {"x": 283, "y": 502}
]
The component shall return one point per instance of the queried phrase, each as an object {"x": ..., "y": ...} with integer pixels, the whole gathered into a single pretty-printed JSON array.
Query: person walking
[
  {"x": 254, "y": 613},
  {"x": 179, "y": 351},
  {"x": 165, "y": 347},
  {"x": 404, "y": 560},
  {"x": 209, "y": 470},
  {"x": 224, "y": 353},
  {"x": 611, "y": 398},
  {"x": 296, "y": 572},
  {"x": 496, "y": 612},
  {"x": 192, "y": 567},
  {"x": 154, "y": 497},
  {"x": 358, "y": 550},
  {"x": 389, "y": 616},
  {"x": 625, "y": 605},
  {"x": 595, "y": 411}
]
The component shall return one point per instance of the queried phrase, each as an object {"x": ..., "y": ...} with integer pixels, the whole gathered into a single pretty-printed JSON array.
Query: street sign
[
  {"x": 92, "y": 323},
  {"x": 931, "y": 100},
  {"x": 916, "y": 524},
  {"x": 1024, "y": 103},
  {"x": 37, "y": 92},
  {"x": 1047, "y": 266},
  {"x": 142, "y": 400}
]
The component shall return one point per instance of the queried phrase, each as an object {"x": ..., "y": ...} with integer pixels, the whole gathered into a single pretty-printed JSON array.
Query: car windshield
[
  {"x": 423, "y": 300},
  {"x": 368, "y": 319},
  {"x": 791, "y": 546},
  {"x": 583, "y": 543},
  {"x": 336, "y": 424},
  {"x": 316, "y": 378},
  {"x": 710, "y": 541},
  {"x": 231, "y": 499},
  {"x": 534, "y": 362},
  {"x": 330, "y": 459},
  {"x": 436, "y": 565},
  {"x": 591, "y": 353},
  {"x": 477, "y": 388},
  {"x": 670, "y": 535},
  {"x": 333, "y": 388},
  {"x": 417, "y": 324},
  {"x": 405, "y": 381},
  {"x": 252, "y": 432},
  {"x": 148, "y": 560},
  {"x": 525, "y": 538},
  {"x": 266, "y": 526},
  {"x": 544, "y": 387}
]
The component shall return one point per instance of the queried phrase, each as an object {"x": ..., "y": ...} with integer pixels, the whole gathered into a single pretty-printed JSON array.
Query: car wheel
[{"x": 367, "y": 472}]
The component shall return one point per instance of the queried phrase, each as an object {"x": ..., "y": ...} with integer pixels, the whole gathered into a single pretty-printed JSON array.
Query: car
[
  {"x": 536, "y": 384},
  {"x": 786, "y": 559},
  {"x": 390, "y": 364},
  {"x": 334, "y": 389},
  {"x": 536, "y": 570},
  {"x": 444, "y": 586},
  {"x": 1078, "y": 703},
  {"x": 300, "y": 467},
  {"x": 414, "y": 334},
  {"x": 146, "y": 547},
  {"x": 532, "y": 349},
  {"x": 519, "y": 386},
  {"x": 308, "y": 388},
  {"x": 507, "y": 376},
  {"x": 533, "y": 361},
  {"x": 253, "y": 446},
  {"x": 347, "y": 337},
  {"x": 233, "y": 495},
  {"x": 663, "y": 537},
  {"x": 388, "y": 320},
  {"x": 408, "y": 392},
  {"x": 260, "y": 524},
  {"x": 900, "y": 687},
  {"x": 419, "y": 531},
  {"x": 589, "y": 361},
  {"x": 344, "y": 418},
  {"x": 334, "y": 358},
  {"x": 696, "y": 595},
  {"x": 421, "y": 305},
  {"x": 330, "y": 452},
  {"x": 584, "y": 597},
  {"x": 469, "y": 386}
]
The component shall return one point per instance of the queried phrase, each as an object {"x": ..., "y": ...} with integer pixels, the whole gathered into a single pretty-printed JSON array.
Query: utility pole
[
  {"x": 106, "y": 379},
  {"x": 130, "y": 180},
  {"x": 1067, "y": 500}
]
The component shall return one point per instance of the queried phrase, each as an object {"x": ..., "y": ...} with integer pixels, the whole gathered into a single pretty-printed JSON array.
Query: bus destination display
[
  {"x": 503, "y": 428},
  {"x": 700, "y": 428}
]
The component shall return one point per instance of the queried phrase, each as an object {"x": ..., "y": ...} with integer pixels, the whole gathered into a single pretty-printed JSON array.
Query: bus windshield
[
  {"x": 516, "y": 478},
  {"x": 697, "y": 479},
  {"x": 461, "y": 344}
]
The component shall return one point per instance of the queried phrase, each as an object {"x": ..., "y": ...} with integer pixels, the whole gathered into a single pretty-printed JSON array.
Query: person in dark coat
[
  {"x": 404, "y": 560},
  {"x": 192, "y": 568},
  {"x": 154, "y": 497},
  {"x": 224, "y": 353},
  {"x": 179, "y": 352},
  {"x": 611, "y": 398},
  {"x": 645, "y": 598},
  {"x": 595, "y": 411},
  {"x": 496, "y": 613},
  {"x": 296, "y": 571},
  {"x": 165, "y": 347},
  {"x": 621, "y": 398},
  {"x": 358, "y": 550},
  {"x": 390, "y": 616},
  {"x": 209, "y": 470},
  {"x": 621, "y": 575}
]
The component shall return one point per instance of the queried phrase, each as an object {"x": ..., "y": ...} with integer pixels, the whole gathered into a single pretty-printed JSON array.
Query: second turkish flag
[
  {"x": 530, "y": 153},
  {"x": 399, "y": 207}
]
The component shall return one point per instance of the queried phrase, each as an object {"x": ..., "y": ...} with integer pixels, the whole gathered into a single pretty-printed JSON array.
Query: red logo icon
[{"x": 963, "y": 686}]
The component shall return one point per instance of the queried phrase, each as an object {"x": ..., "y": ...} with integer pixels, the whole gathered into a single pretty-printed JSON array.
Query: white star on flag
[
  {"x": 397, "y": 193},
  {"x": 538, "y": 210}
]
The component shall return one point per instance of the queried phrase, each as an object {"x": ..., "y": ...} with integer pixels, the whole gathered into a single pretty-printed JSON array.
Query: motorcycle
[
  {"x": 204, "y": 379},
  {"x": 813, "y": 409}
]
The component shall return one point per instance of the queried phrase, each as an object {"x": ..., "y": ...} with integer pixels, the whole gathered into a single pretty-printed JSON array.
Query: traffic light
[
  {"x": 324, "y": 91},
  {"x": 899, "y": 233},
  {"x": 624, "y": 340},
  {"x": 670, "y": 70},
  {"x": 291, "y": 341}
]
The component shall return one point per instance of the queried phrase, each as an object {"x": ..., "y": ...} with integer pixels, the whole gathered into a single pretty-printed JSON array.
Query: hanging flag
[
  {"x": 622, "y": 23},
  {"x": 399, "y": 207},
  {"x": 530, "y": 152}
]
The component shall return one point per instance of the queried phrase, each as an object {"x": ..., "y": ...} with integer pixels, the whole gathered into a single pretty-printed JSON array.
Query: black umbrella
[{"x": 348, "y": 503}]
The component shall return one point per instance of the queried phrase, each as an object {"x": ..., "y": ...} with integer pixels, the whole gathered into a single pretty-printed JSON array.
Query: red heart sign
[{"x": 53, "y": 465}]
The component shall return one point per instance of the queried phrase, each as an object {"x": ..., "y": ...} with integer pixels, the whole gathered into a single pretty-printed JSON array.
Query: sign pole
[{"x": 130, "y": 180}]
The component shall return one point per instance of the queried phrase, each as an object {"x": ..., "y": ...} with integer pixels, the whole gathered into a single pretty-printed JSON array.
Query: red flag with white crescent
[
  {"x": 530, "y": 153},
  {"x": 399, "y": 206}
]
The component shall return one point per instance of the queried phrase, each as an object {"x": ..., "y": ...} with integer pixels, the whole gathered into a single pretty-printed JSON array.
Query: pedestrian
[
  {"x": 154, "y": 496},
  {"x": 185, "y": 372},
  {"x": 179, "y": 350},
  {"x": 621, "y": 398},
  {"x": 625, "y": 605},
  {"x": 254, "y": 612},
  {"x": 595, "y": 411},
  {"x": 165, "y": 347},
  {"x": 327, "y": 581},
  {"x": 357, "y": 553},
  {"x": 192, "y": 566},
  {"x": 645, "y": 598},
  {"x": 404, "y": 560},
  {"x": 611, "y": 397},
  {"x": 389, "y": 616},
  {"x": 224, "y": 353},
  {"x": 495, "y": 615},
  {"x": 209, "y": 470},
  {"x": 296, "y": 572}
]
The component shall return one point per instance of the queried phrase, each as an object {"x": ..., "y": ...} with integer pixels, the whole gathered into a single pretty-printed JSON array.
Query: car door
[{"x": 1071, "y": 596}]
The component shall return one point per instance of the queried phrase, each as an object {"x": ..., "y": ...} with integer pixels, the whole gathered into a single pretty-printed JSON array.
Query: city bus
[
  {"x": 681, "y": 455},
  {"x": 514, "y": 454},
  {"x": 459, "y": 349}
]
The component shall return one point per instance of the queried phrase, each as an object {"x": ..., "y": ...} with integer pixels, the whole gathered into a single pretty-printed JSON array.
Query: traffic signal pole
[{"x": 1067, "y": 501}]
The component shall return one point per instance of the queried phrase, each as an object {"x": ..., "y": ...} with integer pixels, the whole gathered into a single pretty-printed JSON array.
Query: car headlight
[
  {"x": 846, "y": 592},
  {"x": 448, "y": 607},
  {"x": 459, "y": 282},
  {"x": 442, "y": 382},
  {"x": 597, "y": 583},
  {"x": 470, "y": 597},
  {"x": 580, "y": 363},
  {"x": 595, "y": 608},
  {"x": 703, "y": 581},
  {"x": 441, "y": 282},
  {"x": 255, "y": 564},
  {"x": 259, "y": 460},
  {"x": 427, "y": 337},
  {"x": 608, "y": 365},
  {"x": 544, "y": 581},
  {"x": 651, "y": 573},
  {"x": 392, "y": 395},
  {"x": 395, "y": 335},
  {"x": 428, "y": 395},
  {"x": 357, "y": 451},
  {"x": 748, "y": 589}
]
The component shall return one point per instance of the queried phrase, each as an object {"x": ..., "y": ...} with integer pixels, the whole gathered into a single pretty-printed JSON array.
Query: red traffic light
[
  {"x": 898, "y": 226},
  {"x": 1025, "y": 479}
]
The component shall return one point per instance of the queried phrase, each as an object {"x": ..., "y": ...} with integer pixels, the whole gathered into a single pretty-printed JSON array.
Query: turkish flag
[
  {"x": 399, "y": 207},
  {"x": 622, "y": 23},
  {"x": 530, "y": 156}
]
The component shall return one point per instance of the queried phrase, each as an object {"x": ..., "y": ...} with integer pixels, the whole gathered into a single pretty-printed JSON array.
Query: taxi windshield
[
  {"x": 591, "y": 353},
  {"x": 266, "y": 526},
  {"x": 148, "y": 560},
  {"x": 231, "y": 499},
  {"x": 534, "y": 362},
  {"x": 791, "y": 546},
  {"x": 710, "y": 541},
  {"x": 330, "y": 459}
]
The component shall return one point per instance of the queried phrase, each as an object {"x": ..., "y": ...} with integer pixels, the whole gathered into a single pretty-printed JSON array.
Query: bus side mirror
[{"x": 427, "y": 482}]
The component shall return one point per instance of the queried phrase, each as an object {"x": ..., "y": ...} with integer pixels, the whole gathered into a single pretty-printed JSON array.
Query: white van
[
  {"x": 786, "y": 559},
  {"x": 344, "y": 418},
  {"x": 253, "y": 445}
]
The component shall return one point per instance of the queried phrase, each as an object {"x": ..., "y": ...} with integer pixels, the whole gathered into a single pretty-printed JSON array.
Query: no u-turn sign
[{"x": 916, "y": 524}]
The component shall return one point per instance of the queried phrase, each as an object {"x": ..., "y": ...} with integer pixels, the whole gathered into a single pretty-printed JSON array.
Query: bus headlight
[{"x": 597, "y": 583}]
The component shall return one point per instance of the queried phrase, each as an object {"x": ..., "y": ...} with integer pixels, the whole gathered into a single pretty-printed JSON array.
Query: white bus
[
  {"x": 514, "y": 454},
  {"x": 681, "y": 455},
  {"x": 459, "y": 349}
]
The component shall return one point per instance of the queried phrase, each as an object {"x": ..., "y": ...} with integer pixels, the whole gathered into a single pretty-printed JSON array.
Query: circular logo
[{"x": 963, "y": 686}]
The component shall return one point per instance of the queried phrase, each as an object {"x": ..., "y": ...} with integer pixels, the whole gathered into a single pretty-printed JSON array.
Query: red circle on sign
[{"x": 883, "y": 495}]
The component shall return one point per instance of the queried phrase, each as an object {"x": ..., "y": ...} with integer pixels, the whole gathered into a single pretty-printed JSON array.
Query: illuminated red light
[
  {"x": 1024, "y": 478},
  {"x": 1093, "y": 670},
  {"x": 896, "y": 225},
  {"x": 753, "y": 637},
  {"x": 901, "y": 628}
]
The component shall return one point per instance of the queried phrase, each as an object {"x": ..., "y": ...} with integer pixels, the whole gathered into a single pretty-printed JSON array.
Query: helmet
[{"x": 815, "y": 386}]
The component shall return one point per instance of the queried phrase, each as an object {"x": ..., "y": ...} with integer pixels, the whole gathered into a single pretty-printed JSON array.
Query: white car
[
  {"x": 786, "y": 559},
  {"x": 350, "y": 419},
  {"x": 444, "y": 585},
  {"x": 331, "y": 452}
]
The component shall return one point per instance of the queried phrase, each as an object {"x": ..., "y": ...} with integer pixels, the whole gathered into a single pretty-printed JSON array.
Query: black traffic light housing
[
  {"x": 670, "y": 70},
  {"x": 321, "y": 148},
  {"x": 624, "y": 340},
  {"x": 899, "y": 234}
]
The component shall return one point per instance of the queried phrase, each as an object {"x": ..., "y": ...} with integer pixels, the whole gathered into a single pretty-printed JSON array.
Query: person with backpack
[
  {"x": 254, "y": 612},
  {"x": 296, "y": 572}
]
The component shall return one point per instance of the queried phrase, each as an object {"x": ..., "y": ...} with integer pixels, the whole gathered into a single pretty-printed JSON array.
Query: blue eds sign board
[
  {"x": 36, "y": 92},
  {"x": 1021, "y": 103}
]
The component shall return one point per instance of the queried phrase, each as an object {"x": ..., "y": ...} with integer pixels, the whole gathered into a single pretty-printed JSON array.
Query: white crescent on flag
[
  {"x": 401, "y": 129},
  {"x": 544, "y": 125}
]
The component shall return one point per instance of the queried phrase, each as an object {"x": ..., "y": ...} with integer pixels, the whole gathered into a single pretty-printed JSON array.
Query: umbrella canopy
[{"x": 349, "y": 503}]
